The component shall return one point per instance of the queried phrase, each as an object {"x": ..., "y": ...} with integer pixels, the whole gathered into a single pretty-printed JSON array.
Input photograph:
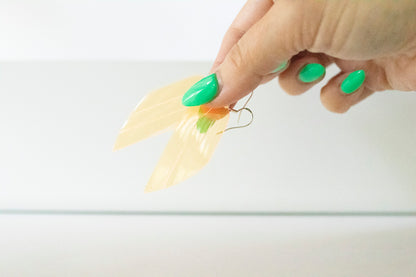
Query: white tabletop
[{"x": 207, "y": 246}]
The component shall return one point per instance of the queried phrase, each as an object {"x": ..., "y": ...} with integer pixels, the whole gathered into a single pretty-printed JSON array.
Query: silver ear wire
[
  {"x": 241, "y": 126},
  {"x": 245, "y": 105},
  {"x": 239, "y": 111}
]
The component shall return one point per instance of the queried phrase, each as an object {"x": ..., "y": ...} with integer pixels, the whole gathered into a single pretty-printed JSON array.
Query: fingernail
[
  {"x": 311, "y": 72},
  {"x": 353, "y": 81},
  {"x": 280, "y": 67},
  {"x": 202, "y": 92}
]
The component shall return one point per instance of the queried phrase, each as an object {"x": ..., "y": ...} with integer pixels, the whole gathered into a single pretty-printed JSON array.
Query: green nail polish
[
  {"x": 311, "y": 72},
  {"x": 353, "y": 81},
  {"x": 201, "y": 92},
  {"x": 280, "y": 67}
]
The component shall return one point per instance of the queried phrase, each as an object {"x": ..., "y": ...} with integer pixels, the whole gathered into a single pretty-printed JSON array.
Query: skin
[{"x": 378, "y": 36}]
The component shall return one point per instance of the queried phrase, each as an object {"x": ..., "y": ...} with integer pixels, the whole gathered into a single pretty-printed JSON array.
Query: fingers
[
  {"x": 345, "y": 90},
  {"x": 252, "y": 11},
  {"x": 273, "y": 40},
  {"x": 305, "y": 70}
]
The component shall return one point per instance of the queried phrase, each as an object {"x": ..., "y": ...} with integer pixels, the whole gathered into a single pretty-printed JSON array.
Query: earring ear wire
[{"x": 239, "y": 111}]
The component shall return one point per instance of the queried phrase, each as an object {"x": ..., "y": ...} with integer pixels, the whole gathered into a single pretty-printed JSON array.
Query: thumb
[{"x": 272, "y": 41}]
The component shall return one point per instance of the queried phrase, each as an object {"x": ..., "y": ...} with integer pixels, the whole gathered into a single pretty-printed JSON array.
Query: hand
[{"x": 376, "y": 36}]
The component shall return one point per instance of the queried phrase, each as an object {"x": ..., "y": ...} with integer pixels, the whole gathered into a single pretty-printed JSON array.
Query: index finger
[{"x": 251, "y": 12}]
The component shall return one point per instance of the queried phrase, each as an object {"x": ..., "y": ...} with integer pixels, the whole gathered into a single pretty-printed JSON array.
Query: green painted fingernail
[
  {"x": 201, "y": 92},
  {"x": 311, "y": 72},
  {"x": 353, "y": 81},
  {"x": 280, "y": 67}
]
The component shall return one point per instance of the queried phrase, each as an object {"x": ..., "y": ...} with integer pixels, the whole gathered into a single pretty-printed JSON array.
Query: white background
[
  {"x": 114, "y": 30},
  {"x": 319, "y": 161},
  {"x": 53, "y": 158},
  {"x": 53, "y": 168},
  {"x": 60, "y": 120}
]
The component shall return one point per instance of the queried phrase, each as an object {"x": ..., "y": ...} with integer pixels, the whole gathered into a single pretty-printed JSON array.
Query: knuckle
[
  {"x": 236, "y": 32},
  {"x": 287, "y": 86},
  {"x": 334, "y": 104},
  {"x": 236, "y": 57},
  {"x": 338, "y": 109}
]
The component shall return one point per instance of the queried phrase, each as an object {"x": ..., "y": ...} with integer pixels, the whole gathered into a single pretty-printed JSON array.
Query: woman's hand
[{"x": 373, "y": 39}]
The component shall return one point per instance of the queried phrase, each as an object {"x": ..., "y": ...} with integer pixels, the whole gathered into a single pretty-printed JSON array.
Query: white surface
[
  {"x": 114, "y": 29},
  {"x": 208, "y": 246},
  {"x": 59, "y": 121}
]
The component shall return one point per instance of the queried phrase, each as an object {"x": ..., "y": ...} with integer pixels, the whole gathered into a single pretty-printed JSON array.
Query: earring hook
[{"x": 239, "y": 111}]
